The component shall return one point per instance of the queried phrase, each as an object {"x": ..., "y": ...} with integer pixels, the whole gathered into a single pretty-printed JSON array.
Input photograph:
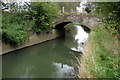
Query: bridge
[{"x": 89, "y": 21}]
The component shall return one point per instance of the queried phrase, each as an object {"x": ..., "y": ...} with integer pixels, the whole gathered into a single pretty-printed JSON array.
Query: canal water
[{"x": 51, "y": 59}]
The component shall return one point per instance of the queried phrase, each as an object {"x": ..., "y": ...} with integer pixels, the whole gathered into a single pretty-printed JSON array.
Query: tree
[
  {"x": 44, "y": 14},
  {"x": 111, "y": 10}
]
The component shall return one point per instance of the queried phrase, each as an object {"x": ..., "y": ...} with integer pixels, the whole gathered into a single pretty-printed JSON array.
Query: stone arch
[{"x": 61, "y": 25}]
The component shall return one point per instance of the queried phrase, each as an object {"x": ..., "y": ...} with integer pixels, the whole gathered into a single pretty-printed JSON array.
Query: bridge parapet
[
  {"x": 69, "y": 18},
  {"x": 89, "y": 21}
]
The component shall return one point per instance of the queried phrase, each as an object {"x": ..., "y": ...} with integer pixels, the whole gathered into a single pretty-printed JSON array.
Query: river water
[{"x": 51, "y": 59}]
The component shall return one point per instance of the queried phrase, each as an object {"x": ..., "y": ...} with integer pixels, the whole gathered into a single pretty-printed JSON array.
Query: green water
[{"x": 50, "y": 59}]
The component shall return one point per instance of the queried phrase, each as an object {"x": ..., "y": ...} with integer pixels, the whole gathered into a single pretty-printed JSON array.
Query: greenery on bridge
[{"x": 87, "y": 29}]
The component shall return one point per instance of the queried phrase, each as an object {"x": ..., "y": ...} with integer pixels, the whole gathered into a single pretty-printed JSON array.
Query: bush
[
  {"x": 14, "y": 34},
  {"x": 39, "y": 17},
  {"x": 15, "y": 27},
  {"x": 44, "y": 14}
]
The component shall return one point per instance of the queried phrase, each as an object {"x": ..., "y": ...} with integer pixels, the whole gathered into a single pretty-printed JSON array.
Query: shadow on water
[
  {"x": 50, "y": 59},
  {"x": 61, "y": 25}
]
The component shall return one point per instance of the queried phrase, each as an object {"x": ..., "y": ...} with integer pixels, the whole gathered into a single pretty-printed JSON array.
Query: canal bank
[
  {"x": 100, "y": 56},
  {"x": 32, "y": 40}
]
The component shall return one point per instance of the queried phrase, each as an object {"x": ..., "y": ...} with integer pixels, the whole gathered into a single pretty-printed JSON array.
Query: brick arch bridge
[{"x": 89, "y": 21}]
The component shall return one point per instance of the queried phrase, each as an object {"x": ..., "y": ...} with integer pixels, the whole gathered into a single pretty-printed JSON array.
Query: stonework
[{"x": 88, "y": 21}]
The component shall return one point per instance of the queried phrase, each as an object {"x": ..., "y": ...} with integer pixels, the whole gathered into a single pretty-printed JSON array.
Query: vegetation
[
  {"x": 100, "y": 58},
  {"x": 111, "y": 12},
  {"x": 18, "y": 21},
  {"x": 87, "y": 29},
  {"x": 43, "y": 13},
  {"x": 102, "y": 54},
  {"x": 15, "y": 27}
]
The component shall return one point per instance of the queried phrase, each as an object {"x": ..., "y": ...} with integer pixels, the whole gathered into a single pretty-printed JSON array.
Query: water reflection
[
  {"x": 64, "y": 70},
  {"x": 51, "y": 59},
  {"x": 76, "y": 37}
]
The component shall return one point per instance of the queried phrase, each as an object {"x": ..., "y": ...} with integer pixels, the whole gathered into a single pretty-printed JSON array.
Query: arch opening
[{"x": 61, "y": 25}]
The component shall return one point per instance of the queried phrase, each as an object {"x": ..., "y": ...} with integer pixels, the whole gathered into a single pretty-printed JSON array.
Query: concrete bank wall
[{"x": 33, "y": 39}]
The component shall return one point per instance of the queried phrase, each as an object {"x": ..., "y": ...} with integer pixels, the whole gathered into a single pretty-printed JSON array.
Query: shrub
[
  {"x": 44, "y": 14},
  {"x": 39, "y": 17},
  {"x": 15, "y": 27},
  {"x": 14, "y": 34}
]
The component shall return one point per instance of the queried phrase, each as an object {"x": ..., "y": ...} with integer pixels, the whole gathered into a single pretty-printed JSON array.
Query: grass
[{"x": 100, "y": 57}]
